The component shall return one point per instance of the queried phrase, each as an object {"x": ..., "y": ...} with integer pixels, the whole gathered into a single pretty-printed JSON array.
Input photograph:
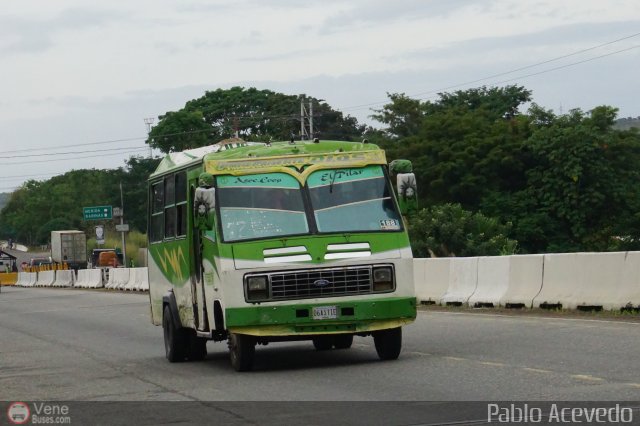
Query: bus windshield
[
  {"x": 353, "y": 199},
  {"x": 260, "y": 206}
]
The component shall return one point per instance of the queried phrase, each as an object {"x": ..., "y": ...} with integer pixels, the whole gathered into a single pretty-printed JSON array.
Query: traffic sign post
[{"x": 97, "y": 212}]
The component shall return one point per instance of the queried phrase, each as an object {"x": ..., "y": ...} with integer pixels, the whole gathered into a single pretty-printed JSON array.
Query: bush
[{"x": 449, "y": 230}]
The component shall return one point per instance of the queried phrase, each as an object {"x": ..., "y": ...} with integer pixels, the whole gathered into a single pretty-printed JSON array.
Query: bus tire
[
  {"x": 342, "y": 341},
  {"x": 322, "y": 343},
  {"x": 242, "y": 349},
  {"x": 175, "y": 339},
  {"x": 388, "y": 343},
  {"x": 197, "y": 348}
]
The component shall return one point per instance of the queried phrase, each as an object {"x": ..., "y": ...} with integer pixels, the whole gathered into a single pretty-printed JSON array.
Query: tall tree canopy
[
  {"x": 563, "y": 182},
  {"x": 39, "y": 207},
  {"x": 254, "y": 114}
]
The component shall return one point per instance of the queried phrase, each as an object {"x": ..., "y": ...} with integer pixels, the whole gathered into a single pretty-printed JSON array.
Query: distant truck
[{"x": 69, "y": 247}]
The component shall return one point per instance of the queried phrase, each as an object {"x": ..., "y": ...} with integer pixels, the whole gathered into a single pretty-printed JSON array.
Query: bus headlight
[
  {"x": 257, "y": 288},
  {"x": 383, "y": 278}
]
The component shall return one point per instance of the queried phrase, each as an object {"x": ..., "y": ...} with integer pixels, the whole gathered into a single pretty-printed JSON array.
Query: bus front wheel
[
  {"x": 175, "y": 339},
  {"x": 242, "y": 349},
  {"x": 388, "y": 343}
]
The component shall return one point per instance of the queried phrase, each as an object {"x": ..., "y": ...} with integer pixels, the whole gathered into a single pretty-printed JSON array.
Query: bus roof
[{"x": 236, "y": 154}]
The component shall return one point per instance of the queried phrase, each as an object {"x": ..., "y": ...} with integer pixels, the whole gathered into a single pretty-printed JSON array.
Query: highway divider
[
  {"x": 89, "y": 278},
  {"x": 525, "y": 281},
  {"x": 493, "y": 281},
  {"x": 431, "y": 277},
  {"x": 45, "y": 278},
  {"x": 463, "y": 280},
  {"x": 64, "y": 278},
  {"x": 584, "y": 281}
]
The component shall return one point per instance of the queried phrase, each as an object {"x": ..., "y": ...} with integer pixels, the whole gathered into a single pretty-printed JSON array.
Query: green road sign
[{"x": 97, "y": 212}]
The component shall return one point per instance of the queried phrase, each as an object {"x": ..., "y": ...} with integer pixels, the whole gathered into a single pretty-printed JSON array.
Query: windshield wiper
[{"x": 333, "y": 179}]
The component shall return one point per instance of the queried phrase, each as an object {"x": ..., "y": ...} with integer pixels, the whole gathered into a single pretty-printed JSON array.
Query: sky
[{"x": 78, "y": 79}]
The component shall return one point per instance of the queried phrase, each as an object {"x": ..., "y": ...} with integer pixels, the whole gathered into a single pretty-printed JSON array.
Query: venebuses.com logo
[{"x": 18, "y": 413}]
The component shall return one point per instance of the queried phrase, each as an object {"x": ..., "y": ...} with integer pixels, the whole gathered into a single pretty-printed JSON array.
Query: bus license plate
[{"x": 325, "y": 312}]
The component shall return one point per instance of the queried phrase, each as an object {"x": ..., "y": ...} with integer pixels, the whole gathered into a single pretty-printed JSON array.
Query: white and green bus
[{"x": 253, "y": 243}]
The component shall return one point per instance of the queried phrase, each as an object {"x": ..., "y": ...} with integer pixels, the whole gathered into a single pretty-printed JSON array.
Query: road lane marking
[
  {"x": 587, "y": 377},
  {"x": 493, "y": 364},
  {"x": 537, "y": 370},
  {"x": 455, "y": 358}
]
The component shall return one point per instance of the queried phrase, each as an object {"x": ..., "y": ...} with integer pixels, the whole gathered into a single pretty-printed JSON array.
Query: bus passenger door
[{"x": 203, "y": 204}]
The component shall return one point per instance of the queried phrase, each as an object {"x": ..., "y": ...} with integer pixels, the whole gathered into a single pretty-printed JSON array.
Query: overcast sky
[{"x": 74, "y": 72}]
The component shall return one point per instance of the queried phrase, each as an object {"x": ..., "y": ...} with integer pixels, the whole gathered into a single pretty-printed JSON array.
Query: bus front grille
[{"x": 320, "y": 283}]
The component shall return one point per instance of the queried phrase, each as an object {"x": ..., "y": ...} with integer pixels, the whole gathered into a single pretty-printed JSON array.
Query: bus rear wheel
[
  {"x": 388, "y": 343},
  {"x": 175, "y": 339},
  {"x": 322, "y": 343},
  {"x": 242, "y": 349},
  {"x": 342, "y": 341}
]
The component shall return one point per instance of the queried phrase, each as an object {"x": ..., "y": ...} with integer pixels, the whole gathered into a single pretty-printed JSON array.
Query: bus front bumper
[{"x": 362, "y": 316}]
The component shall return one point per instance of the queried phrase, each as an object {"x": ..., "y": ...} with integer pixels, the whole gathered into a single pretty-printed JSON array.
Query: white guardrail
[
  {"x": 119, "y": 279},
  {"x": 608, "y": 281},
  {"x": 588, "y": 281}
]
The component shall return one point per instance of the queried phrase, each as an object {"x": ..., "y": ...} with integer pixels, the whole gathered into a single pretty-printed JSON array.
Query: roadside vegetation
[{"x": 497, "y": 173}]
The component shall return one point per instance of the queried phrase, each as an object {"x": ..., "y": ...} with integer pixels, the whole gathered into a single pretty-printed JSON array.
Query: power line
[
  {"x": 292, "y": 116},
  {"x": 64, "y": 153},
  {"x": 25, "y": 176},
  {"x": 432, "y": 92},
  {"x": 71, "y": 158}
]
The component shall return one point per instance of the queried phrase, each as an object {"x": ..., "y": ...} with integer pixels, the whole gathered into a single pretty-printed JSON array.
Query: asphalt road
[{"x": 67, "y": 344}]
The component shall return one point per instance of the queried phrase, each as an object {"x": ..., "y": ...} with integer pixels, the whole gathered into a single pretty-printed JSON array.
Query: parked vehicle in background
[
  {"x": 70, "y": 248},
  {"x": 106, "y": 258}
]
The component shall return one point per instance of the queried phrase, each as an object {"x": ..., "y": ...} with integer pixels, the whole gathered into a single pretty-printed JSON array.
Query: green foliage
[
  {"x": 38, "y": 207},
  {"x": 449, "y": 230},
  {"x": 255, "y": 114},
  {"x": 134, "y": 241},
  {"x": 56, "y": 224},
  {"x": 565, "y": 183}
]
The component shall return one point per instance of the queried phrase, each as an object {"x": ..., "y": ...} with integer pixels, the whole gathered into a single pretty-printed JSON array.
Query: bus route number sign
[{"x": 97, "y": 212}]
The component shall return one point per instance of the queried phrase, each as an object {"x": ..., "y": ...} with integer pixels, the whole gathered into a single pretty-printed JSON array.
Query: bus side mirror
[
  {"x": 204, "y": 204},
  {"x": 407, "y": 192},
  {"x": 406, "y": 185}
]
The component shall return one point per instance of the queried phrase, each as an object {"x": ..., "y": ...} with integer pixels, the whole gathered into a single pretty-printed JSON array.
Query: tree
[
  {"x": 449, "y": 230},
  {"x": 467, "y": 146},
  {"x": 403, "y": 115},
  {"x": 583, "y": 182},
  {"x": 254, "y": 114}
]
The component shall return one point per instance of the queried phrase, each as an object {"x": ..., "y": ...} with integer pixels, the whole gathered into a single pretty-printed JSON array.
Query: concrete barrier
[
  {"x": 33, "y": 278},
  {"x": 89, "y": 278},
  {"x": 493, "y": 281},
  {"x": 463, "y": 279},
  {"x": 29, "y": 279},
  {"x": 144, "y": 286},
  {"x": 628, "y": 292},
  {"x": 525, "y": 281},
  {"x": 45, "y": 278},
  {"x": 22, "y": 279},
  {"x": 137, "y": 279},
  {"x": 64, "y": 278},
  {"x": 431, "y": 278},
  {"x": 581, "y": 280},
  {"x": 118, "y": 278}
]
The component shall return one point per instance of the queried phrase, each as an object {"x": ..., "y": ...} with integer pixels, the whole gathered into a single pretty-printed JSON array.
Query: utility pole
[
  {"x": 310, "y": 119},
  {"x": 149, "y": 122},
  {"x": 303, "y": 127},
  {"x": 122, "y": 232}
]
